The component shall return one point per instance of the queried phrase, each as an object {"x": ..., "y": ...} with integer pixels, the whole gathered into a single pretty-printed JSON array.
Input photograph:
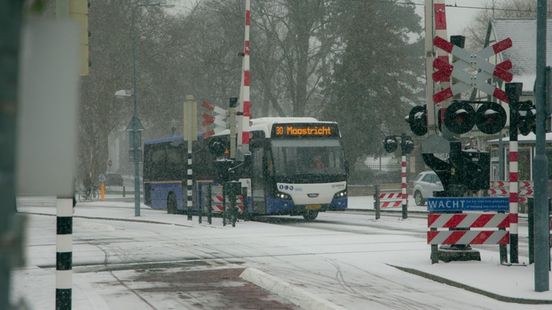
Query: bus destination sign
[{"x": 304, "y": 130}]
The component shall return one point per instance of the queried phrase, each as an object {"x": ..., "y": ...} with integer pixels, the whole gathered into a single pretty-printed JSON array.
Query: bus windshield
[{"x": 308, "y": 157}]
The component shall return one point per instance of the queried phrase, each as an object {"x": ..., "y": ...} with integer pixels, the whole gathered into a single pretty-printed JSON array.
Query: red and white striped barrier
[
  {"x": 468, "y": 237},
  {"x": 450, "y": 221},
  {"x": 391, "y": 199},
  {"x": 245, "y": 100},
  {"x": 524, "y": 189},
  {"x": 217, "y": 202}
]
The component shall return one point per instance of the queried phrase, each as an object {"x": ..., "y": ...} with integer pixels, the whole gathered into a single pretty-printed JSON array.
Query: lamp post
[{"x": 135, "y": 126}]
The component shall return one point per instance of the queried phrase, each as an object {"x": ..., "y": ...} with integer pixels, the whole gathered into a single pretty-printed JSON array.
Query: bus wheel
[
  {"x": 171, "y": 203},
  {"x": 310, "y": 216}
]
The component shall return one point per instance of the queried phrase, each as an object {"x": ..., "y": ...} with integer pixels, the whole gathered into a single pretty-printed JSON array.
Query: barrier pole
[
  {"x": 199, "y": 202},
  {"x": 64, "y": 253},
  {"x": 404, "y": 196},
  {"x": 377, "y": 201},
  {"x": 209, "y": 204}
]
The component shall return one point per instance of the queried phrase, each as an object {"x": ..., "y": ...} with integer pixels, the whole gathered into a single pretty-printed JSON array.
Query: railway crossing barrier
[
  {"x": 461, "y": 221},
  {"x": 501, "y": 189},
  {"x": 458, "y": 229},
  {"x": 391, "y": 199},
  {"x": 213, "y": 200}
]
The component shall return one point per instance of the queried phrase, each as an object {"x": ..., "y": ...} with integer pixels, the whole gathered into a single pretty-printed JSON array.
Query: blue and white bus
[{"x": 297, "y": 167}]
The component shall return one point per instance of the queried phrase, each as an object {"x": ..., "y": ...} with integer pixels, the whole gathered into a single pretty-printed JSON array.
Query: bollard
[
  {"x": 530, "y": 228},
  {"x": 199, "y": 202},
  {"x": 377, "y": 201},
  {"x": 102, "y": 191},
  {"x": 503, "y": 251},
  {"x": 246, "y": 212},
  {"x": 124, "y": 191},
  {"x": 224, "y": 188},
  {"x": 64, "y": 253},
  {"x": 209, "y": 204}
]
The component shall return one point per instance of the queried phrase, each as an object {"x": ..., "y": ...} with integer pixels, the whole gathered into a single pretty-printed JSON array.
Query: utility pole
[
  {"x": 10, "y": 34},
  {"x": 540, "y": 167}
]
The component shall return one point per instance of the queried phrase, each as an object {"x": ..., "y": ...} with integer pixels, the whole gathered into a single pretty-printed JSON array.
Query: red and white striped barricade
[
  {"x": 391, "y": 199},
  {"x": 501, "y": 189},
  {"x": 217, "y": 200},
  {"x": 484, "y": 221},
  {"x": 445, "y": 228}
]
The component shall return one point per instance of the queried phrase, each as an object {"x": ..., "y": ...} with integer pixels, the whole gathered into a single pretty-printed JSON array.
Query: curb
[
  {"x": 473, "y": 289},
  {"x": 296, "y": 295}
]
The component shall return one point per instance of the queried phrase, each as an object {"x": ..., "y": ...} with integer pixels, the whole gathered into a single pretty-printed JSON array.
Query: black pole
[
  {"x": 224, "y": 189},
  {"x": 199, "y": 202},
  {"x": 377, "y": 201},
  {"x": 530, "y": 228},
  {"x": 209, "y": 204}
]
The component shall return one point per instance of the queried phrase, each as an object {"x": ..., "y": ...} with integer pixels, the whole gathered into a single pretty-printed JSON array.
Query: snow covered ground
[{"x": 346, "y": 260}]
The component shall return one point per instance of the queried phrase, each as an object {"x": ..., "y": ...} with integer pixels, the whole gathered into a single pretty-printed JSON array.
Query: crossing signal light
[
  {"x": 460, "y": 117},
  {"x": 527, "y": 114},
  {"x": 390, "y": 144},
  {"x": 217, "y": 146},
  {"x": 490, "y": 118},
  {"x": 417, "y": 119},
  {"x": 407, "y": 145}
]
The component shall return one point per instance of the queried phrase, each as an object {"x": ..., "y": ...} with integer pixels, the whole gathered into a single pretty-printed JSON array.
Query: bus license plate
[{"x": 313, "y": 207}]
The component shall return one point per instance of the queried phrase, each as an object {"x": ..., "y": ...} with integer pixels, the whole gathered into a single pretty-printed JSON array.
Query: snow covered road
[{"x": 344, "y": 259}]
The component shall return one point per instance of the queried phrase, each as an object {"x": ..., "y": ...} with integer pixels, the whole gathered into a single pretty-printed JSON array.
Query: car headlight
[
  {"x": 341, "y": 194},
  {"x": 281, "y": 195}
]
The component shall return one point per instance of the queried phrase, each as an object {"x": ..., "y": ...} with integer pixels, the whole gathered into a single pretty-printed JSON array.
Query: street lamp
[{"x": 135, "y": 126}]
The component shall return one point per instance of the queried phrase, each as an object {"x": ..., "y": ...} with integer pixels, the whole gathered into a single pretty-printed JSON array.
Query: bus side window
[{"x": 159, "y": 157}]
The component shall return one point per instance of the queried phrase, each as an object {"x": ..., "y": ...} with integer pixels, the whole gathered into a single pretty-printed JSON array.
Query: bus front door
[{"x": 258, "y": 182}]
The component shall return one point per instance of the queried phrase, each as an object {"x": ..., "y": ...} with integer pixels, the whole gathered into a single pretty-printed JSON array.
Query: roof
[
  {"x": 523, "y": 33},
  {"x": 177, "y": 139}
]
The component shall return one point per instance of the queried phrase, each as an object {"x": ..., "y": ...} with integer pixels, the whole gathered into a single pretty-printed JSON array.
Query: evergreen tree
[{"x": 379, "y": 74}]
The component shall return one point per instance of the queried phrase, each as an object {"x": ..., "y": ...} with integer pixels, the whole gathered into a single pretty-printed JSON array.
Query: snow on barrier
[
  {"x": 391, "y": 199},
  {"x": 466, "y": 221}
]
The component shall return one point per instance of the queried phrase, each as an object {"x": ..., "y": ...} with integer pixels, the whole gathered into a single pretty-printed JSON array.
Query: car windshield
[{"x": 313, "y": 157}]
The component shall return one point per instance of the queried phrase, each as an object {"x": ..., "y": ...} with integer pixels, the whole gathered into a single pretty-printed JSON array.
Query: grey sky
[{"x": 457, "y": 18}]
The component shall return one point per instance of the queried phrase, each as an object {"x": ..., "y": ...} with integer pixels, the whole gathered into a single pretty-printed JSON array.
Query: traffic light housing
[
  {"x": 460, "y": 117},
  {"x": 217, "y": 146},
  {"x": 390, "y": 144},
  {"x": 407, "y": 145},
  {"x": 490, "y": 118},
  {"x": 417, "y": 119},
  {"x": 526, "y": 117}
]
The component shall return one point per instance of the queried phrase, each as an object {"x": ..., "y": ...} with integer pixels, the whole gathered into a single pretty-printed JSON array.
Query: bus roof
[{"x": 177, "y": 139}]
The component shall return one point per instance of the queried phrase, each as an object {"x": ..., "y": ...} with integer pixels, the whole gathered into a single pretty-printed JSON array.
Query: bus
[{"x": 297, "y": 167}]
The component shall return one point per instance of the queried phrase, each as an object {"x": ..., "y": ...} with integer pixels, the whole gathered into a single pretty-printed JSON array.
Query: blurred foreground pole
[
  {"x": 540, "y": 167},
  {"x": 10, "y": 33}
]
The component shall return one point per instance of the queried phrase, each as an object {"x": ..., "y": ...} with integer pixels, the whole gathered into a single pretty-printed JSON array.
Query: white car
[{"x": 425, "y": 184}]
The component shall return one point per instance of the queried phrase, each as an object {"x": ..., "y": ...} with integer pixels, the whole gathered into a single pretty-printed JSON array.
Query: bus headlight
[
  {"x": 281, "y": 195},
  {"x": 341, "y": 194}
]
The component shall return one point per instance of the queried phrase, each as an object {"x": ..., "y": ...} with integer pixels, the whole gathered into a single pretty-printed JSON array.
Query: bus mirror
[{"x": 346, "y": 165}]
